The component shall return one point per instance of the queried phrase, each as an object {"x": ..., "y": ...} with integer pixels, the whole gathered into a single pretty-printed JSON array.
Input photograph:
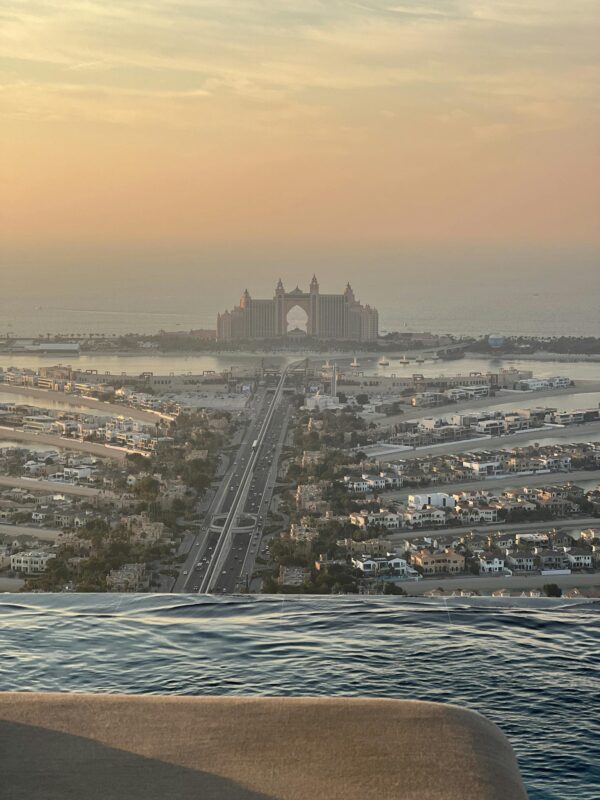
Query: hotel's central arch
[
  {"x": 286, "y": 302},
  {"x": 296, "y": 318}
]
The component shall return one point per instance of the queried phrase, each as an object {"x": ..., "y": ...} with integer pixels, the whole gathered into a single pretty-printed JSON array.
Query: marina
[{"x": 240, "y": 363}]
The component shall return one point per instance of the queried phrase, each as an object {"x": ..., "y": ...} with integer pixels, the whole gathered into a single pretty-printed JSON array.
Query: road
[
  {"x": 489, "y": 584},
  {"x": 246, "y": 497},
  {"x": 497, "y": 484},
  {"x": 257, "y": 502},
  {"x": 223, "y": 554}
]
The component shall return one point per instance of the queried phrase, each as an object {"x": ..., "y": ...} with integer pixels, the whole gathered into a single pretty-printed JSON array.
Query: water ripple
[{"x": 531, "y": 665}]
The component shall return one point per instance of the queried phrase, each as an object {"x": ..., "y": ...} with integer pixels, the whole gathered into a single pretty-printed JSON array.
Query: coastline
[
  {"x": 62, "y": 443},
  {"x": 105, "y": 407},
  {"x": 538, "y": 355}
]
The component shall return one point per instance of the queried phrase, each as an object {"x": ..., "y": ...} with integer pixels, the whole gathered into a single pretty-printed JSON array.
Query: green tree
[
  {"x": 147, "y": 487},
  {"x": 552, "y": 590},
  {"x": 393, "y": 588}
]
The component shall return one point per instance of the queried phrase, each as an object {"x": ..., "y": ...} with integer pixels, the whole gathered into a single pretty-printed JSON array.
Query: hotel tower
[{"x": 328, "y": 316}]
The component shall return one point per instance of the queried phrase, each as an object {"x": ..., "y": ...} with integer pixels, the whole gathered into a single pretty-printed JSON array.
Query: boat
[
  {"x": 383, "y": 362},
  {"x": 404, "y": 360},
  {"x": 354, "y": 364}
]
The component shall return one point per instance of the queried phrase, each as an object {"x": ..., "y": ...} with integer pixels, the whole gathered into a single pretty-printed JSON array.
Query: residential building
[
  {"x": 128, "y": 578},
  {"x": 490, "y": 563},
  {"x": 552, "y": 559},
  {"x": 374, "y": 547},
  {"x": 145, "y": 530},
  {"x": 303, "y": 533},
  {"x": 559, "y": 499},
  {"x": 309, "y": 497},
  {"x": 439, "y": 562},
  {"x": 357, "y": 484},
  {"x": 484, "y": 469},
  {"x": 435, "y": 499},
  {"x": 580, "y": 558},
  {"x": 374, "y": 565},
  {"x": 31, "y": 562},
  {"x": 381, "y": 518},
  {"x": 470, "y": 513},
  {"x": 312, "y": 457},
  {"x": 490, "y": 427},
  {"x": 538, "y": 539},
  {"x": 521, "y": 561},
  {"x": 424, "y": 517}
]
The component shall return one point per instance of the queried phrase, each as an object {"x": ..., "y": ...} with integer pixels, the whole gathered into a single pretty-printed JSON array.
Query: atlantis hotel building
[{"x": 328, "y": 316}]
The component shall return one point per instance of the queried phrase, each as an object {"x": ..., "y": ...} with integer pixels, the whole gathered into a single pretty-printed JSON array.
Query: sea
[
  {"x": 530, "y": 665},
  {"x": 520, "y": 304}
]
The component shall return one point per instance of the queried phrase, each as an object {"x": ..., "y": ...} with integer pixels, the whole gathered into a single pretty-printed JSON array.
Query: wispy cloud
[{"x": 356, "y": 92}]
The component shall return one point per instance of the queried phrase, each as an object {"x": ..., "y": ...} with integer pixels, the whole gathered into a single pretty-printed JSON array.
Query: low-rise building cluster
[
  {"x": 113, "y": 526},
  {"x": 164, "y": 394},
  {"x": 506, "y": 462},
  {"x": 466, "y": 425},
  {"x": 439, "y": 509}
]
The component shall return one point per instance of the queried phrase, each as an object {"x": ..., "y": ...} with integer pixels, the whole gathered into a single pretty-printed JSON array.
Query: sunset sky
[{"x": 212, "y": 123}]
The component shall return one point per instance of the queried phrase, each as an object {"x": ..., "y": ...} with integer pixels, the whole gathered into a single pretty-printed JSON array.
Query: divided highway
[{"x": 222, "y": 556}]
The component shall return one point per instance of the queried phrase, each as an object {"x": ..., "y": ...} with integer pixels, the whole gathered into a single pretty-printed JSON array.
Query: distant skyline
[{"x": 172, "y": 138}]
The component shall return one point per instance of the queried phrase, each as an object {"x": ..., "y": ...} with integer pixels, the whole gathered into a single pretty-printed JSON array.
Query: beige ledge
[{"x": 115, "y": 747}]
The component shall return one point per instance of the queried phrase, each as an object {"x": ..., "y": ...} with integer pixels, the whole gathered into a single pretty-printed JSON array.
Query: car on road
[{"x": 185, "y": 572}]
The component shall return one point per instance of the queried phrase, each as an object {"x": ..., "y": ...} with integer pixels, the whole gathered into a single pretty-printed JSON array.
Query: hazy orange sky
[{"x": 207, "y": 122}]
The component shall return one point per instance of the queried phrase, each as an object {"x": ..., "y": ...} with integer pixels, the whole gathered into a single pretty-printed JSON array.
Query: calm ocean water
[
  {"x": 531, "y": 666},
  {"x": 241, "y": 363},
  {"x": 485, "y": 303}
]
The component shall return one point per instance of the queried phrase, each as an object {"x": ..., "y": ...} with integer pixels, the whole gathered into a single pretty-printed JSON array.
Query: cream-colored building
[
  {"x": 438, "y": 563},
  {"x": 31, "y": 563}
]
